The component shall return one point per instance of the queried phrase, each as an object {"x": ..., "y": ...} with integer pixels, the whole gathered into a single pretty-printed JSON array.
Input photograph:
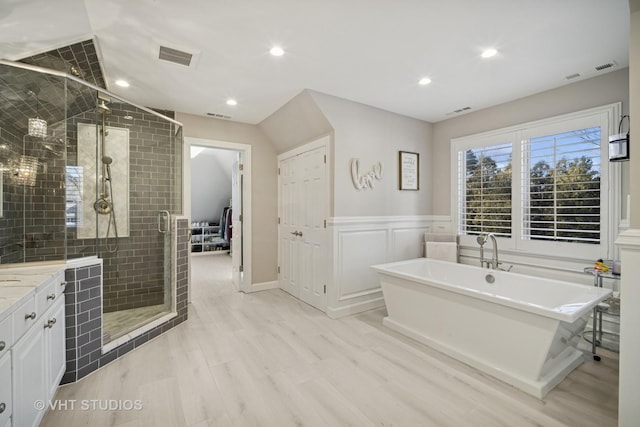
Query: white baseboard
[
  {"x": 359, "y": 307},
  {"x": 263, "y": 286}
]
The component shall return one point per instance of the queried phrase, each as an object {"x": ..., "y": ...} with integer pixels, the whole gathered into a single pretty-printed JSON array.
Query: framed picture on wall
[{"x": 409, "y": 170}]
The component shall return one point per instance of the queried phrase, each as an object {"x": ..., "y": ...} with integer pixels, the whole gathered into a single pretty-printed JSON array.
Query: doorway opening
[{"x": 218, "y": 203}]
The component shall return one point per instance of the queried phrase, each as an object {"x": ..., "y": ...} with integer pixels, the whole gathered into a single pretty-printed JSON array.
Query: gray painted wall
[
  {"x": 608, "y": 88},
  {"x": 297, "y": 122},
  {"x": 264, "y": 185},
  {"x": 211, "y": 183},
  {"x": 373, "y": 135}
]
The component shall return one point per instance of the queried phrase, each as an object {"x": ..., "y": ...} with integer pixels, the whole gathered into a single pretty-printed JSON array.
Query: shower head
[
  {"x": 482, "y": 239},
  {"x": 107, "y": 160},
  {"x": 103, "y": 108}
]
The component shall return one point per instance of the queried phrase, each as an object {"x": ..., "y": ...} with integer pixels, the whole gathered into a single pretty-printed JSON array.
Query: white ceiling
[{"x": 369, "y": 51}]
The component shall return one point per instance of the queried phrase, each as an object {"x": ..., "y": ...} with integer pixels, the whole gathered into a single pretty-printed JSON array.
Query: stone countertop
[{"x": 18, "y": 283}]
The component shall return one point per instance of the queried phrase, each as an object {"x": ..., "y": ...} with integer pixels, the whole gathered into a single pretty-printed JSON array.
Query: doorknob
[{"x": 297, "y": 233}]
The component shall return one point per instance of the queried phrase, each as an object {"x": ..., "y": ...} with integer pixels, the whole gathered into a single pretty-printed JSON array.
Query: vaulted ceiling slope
[{"x": 373, "y": 52}]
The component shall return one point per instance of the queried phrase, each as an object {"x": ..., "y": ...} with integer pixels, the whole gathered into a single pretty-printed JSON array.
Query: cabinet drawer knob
[
  {"x": 3, "y": 345},
  {"x": 63, "y": 283},
  {"x": 31, "y": 316},
  {"x": 50, "y": 323},
  {"x": 3, "y": 406},
  {"x": 51, "y": 297}
]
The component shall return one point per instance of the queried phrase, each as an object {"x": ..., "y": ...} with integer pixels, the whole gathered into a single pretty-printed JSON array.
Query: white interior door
[
  {"x": 312, "y": 233},
  {"x": 303, "y": 207},
  {"x": 288, "y": 243},
  {"x": 237, "y": 179}
]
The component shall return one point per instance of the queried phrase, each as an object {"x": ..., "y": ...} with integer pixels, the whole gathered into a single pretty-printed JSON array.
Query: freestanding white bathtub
[{"x": 520, "y": 329}]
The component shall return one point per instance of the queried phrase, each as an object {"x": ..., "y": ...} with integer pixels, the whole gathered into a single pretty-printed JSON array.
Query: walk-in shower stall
[{"x": 85, "y": 173}]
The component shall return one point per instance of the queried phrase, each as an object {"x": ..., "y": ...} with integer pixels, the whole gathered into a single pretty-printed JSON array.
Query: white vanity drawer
[
  {"x": 24, "y": 317},
  {"x": 6, "y": 336},
  {"x": 46, "y": 296},
  {"x": 5, "y": 389}
]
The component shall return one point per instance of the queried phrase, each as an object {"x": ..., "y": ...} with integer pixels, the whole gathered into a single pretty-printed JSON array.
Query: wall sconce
[
  {"x": 619, "y": 143},
  {"x": 24, "y": 171}
]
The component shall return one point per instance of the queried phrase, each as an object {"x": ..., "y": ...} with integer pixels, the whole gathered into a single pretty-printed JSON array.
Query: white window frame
[{"x": 607, "y": 118}]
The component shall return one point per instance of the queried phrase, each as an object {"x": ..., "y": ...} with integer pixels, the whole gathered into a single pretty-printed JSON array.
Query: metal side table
[{"x": 598, "y": 309}]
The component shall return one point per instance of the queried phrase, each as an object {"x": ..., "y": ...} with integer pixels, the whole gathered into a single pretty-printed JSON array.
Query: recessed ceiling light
[
  {"x": 276, "y": 51},
  {"x": 424, "y": 81},
  {"x": 488, "y": 53},
  {"x": 122, "y": 83},
  {"x": 232, "y": 102}
]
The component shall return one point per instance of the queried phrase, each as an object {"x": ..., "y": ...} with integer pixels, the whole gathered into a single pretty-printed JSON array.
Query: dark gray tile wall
[
  {"x": 84, "y": 328},
  {"x": 79, "y": 59},
  {"x": 83, "y": 317},
  {"x": 12, "y": 221},
  {"x": 134, "y": 276}
]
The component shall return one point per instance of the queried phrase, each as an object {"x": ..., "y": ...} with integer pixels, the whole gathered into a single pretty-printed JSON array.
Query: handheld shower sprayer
[{"x": 482, "y": 239}]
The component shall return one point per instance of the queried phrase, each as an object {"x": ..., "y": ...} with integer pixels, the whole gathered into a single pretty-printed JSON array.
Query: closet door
[
  {"x": 303, "y": 208},
  {"x": 312, "y": 232},
  {"x": 289, "y": 244}
]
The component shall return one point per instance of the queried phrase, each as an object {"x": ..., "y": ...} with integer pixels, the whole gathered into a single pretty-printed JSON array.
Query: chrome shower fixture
[
  {"x": 482, "y": 239},
  {"x": 102, "y": 107}
]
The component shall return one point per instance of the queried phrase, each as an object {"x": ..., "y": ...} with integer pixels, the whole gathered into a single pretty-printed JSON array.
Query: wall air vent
[
  {"x": 218, "y": 116},
  {"x": 609, "y": 64},
  {"x": 572, "y": 76},
  {"x": 174, "y": 55}
]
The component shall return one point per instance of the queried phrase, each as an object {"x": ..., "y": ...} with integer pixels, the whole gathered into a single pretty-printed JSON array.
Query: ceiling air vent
[
  {"x": 218, "y": 116},
  {"x": 572, "y": 76},
  {"x": 174, "y": 55},
  {"x": 605, "y": 66},
  {"x": 460, "y": 110}
]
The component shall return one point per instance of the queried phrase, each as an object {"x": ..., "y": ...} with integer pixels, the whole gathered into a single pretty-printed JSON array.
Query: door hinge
[
  {"x": 325, "y": 223},
  {"x": 240, "y": 218},
  {"x": 325, "y": 159},
  {"x": 278, "y": 220},
  {"x": 278, "y": 269},
  {"x": 325, "y": 289},
  {"x": 240, "y": 269},
  {"x": 278, "y": 171},
  {"x": 241, "y": 166}
]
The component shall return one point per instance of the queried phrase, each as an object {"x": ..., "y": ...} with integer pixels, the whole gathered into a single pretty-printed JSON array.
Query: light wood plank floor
[{"x": 266, "y": 359}]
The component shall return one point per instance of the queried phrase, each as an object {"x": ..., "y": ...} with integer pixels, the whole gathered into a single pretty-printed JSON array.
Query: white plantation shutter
[
  {"x": 485, "y": 190},
  {"x": 561, "y": 186},
  {"x": 544, "y": 188}
]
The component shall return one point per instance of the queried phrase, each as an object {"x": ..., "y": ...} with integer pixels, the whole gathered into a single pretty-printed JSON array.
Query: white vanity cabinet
[
  {"x": 5, "y": 393},
  {"x": 36, "y": 360},
  {"x": 55, "y": 360},
  {"x": 29, "y": 384}
]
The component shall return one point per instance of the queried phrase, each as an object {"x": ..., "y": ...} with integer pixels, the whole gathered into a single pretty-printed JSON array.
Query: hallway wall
[{"x": 264, "y": 185}]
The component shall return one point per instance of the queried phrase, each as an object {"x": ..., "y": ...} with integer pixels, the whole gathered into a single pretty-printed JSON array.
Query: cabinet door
[
  {"x": 55, "y": 348},
  {"x": 29, "y": 377},
  {"x": 5, "y": 388}
]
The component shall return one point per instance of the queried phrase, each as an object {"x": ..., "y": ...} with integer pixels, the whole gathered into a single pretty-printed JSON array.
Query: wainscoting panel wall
[{"x": 360, "y": 242}]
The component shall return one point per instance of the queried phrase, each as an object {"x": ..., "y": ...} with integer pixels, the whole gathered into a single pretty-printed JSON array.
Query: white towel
[{"x": 444, "y": 251}]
